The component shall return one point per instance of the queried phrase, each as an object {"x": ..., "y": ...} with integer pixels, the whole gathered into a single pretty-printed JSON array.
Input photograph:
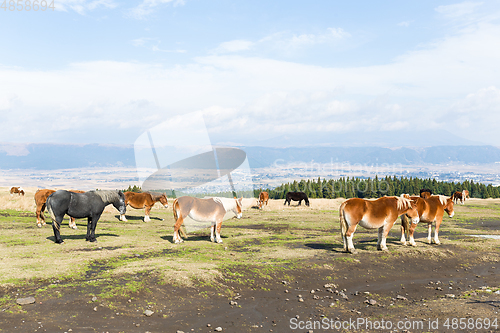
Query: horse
[
  {"x": 457, "y": 196},
  {"x": 90, "y": 204},
  {"x": 465, "y": 195},
  {"x": 144, "y": 200},
  {"x": 40, "y": 201},
  {"x": 263, "y": 198},
  {"x": 204, "y": 210},
  {"x": 16, "y": 190},
  {"x": 430, "y": 210},
  {"x": 296, "y": 196},
  {"x": 425, "y": 193},
  {"x": 371, "y": 214}
]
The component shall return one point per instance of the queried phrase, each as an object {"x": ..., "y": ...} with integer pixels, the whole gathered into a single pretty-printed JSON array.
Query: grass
[{"x": 264, "y": 245}]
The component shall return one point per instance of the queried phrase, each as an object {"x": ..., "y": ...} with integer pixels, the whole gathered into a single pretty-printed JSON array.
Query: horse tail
[
  {"x": 343, "y": 222},
  {"x": 176, "y": 217},
  {"x": 51, "y": 213},
  {"x": 405, "y": 225}
]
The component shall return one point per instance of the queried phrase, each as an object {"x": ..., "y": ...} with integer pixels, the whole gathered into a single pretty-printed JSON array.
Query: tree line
[{"x": 354, "y": 187}]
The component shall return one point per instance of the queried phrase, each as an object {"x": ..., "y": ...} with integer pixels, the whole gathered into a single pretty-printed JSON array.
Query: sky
[{"x": 106, "y": 71}]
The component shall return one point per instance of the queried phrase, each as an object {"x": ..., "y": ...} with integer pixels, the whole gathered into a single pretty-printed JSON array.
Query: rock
[
  {"x": 95, "y": 308},
  {"x": 233, "y": 303},
  {"x": 301, "y": 299},
  {"x": 439, "y": 288},
  {"x": 148, "y": 313},
  {"x": 94, "y": 299},
  {"x": 26, "y": 300},
  {"x": 401, "y": 298},
  {"x": 218, "y": 329},
  {"x": 180, "y": 331},
  {"x": 313, "y": 291},
  {"x": 330, "y": 285},
  {"x": 208, "y": 325},
  {"x": 371, "y": 302},
  {"x": 450, "y": 295}
]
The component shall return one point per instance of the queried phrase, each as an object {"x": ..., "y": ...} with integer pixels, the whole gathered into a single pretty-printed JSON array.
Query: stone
[
  {"x": 26, "y": 300},
  {"x": 148, "y": 313}
]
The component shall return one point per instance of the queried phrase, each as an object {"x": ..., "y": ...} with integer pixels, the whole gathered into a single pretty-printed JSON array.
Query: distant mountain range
[{"x": 59, "y": 156}]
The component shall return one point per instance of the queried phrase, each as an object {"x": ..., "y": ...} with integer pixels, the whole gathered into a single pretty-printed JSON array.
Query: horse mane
[
  {"x": 403, "y": 203},
  {"x": 107, "y": 195},
  {"x": 228, "y": 203},
  {"x": 443, "y": 199}
]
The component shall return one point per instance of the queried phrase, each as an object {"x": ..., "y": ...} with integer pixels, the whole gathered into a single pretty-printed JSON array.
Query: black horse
[
  {"x": 296, "y": 196},
  {"x": 90, "y": 204}
]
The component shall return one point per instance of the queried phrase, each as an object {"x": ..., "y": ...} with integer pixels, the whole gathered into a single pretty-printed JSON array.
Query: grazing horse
[
  {"x": 371, "y": 214},
  {"x": 425, "y": 193},
  {"x": 204, "y": 210},
  {"x": 17, "y": 190},
  {"x": 263, "y": 198},
  {"x": 40, "y": 201},
  {"x": 90, "y": 204},
  {"x": 144, "y": 200},
  {"x": 296, "y": 196},
  {"x": 457, "y": 196},
  {"x": 430, "y": 210},
  {"x": 465, "y": 195}
]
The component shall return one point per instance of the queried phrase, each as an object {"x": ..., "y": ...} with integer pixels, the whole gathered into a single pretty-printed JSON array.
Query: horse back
[
  {"x": 138, "y": 200},
  {"x": 199, "y": 207},
  {"x": 430, "y": 208}
]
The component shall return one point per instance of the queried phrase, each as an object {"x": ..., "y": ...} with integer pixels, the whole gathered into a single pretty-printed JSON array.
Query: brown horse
[
  {"x": 429, "y": 210},
  {"x": 458, "y": 196},
  {"x": 210, "y": 210},
  {"x": 372, "y": 214},
  {"x": 144, "y": 200},
  {"x": 465, "y": 195},
  {"x": 263, "y": 198},
  {"x": 16, "y": 190},
  {"x": 40, "y": 201}
]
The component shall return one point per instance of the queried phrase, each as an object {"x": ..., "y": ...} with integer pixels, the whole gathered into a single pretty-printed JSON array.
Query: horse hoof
[
  {"x": 39, "y": 225},
  {"x": 352, "y": 251},
  {"x": 219, "y": 241},
  {"x": 404, "y": 243}
]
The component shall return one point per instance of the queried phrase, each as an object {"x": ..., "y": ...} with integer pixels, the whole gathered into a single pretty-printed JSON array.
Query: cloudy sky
[{"x": 105, "y": 71}]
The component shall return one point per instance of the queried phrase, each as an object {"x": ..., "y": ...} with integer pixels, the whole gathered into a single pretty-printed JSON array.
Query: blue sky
[{"x": 105, "y": 71}]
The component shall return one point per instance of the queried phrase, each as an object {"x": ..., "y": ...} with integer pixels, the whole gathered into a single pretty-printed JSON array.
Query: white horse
[{"x": 210, "y": 210}]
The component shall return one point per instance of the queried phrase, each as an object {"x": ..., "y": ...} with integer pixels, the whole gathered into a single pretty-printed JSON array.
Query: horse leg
[
  {"x": 411, "y": 232},
  {"x": 429, "y": 232},
  {"x": 40, "y": 219},
  {"x": 212, "y": 233},
  {"x": 146, "y": 214},
  {"x": 123, "y": 218},
  {"x": 91, "y": 227},
  {"x": 436, "y": 232},
  {"x": 72, "y": 223},
  {"x": 218, "y": 227},
  {"x": 383, "y": 231},
  {"x": 348, "y": 238},
  {"x": 56, "y": 226},
  {"x": 177, "y": 239}
]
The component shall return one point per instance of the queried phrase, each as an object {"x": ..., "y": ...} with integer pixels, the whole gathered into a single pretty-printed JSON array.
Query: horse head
[
  {"x": 448, "y": 208},
  {"x": 163, "y": 200},
  {"x": 412, "y": 212},
  {"x": 239, "y": 211},
  {"x": 120, "y": 204}
]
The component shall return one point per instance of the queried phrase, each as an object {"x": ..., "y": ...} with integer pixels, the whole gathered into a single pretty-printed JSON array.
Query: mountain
[{"x": 59, "y": 156}]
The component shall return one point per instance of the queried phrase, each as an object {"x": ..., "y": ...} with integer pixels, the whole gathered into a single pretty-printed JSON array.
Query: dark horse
[
  {"x": 296, "y": 196},
  {"x": 90, "y": 204}
]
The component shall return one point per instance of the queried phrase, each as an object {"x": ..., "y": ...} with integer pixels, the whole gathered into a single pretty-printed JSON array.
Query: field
[{"x": 280, "y": 269}]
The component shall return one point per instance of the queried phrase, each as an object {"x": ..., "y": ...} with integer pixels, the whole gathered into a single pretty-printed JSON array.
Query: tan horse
[
  {"x": 40, "y": 201},
  {"x": 210, "y": 210},
  {"x": 425, "y": 193},
  {"x": 263, "y": 198},
  {"x": 16, "y": 190},
  {"x": 144, "y": 200},
  {"x": 430, "y": 210},
  {"x": 465, "y": 195},
  {"x": 372, "y": 214}
]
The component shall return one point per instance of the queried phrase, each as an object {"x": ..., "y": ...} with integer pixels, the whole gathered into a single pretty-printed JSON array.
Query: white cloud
[
  {"x": 82, "y": 6},
  {"x": 153, "y": 44},
  {"x": 404, "y": 24},
  {"x": 459, "y": 9},
  {"x": 147, "y": 7},
  {"x": 234, "y": 46}
]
